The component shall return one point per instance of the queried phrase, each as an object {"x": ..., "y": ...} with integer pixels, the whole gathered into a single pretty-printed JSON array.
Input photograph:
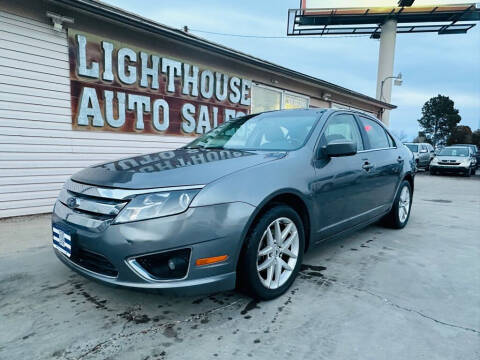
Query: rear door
[{"x": 386, "y": 164}]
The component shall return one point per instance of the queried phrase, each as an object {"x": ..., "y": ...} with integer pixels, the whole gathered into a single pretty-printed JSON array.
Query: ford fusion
[{"x": 238, "y": 206}]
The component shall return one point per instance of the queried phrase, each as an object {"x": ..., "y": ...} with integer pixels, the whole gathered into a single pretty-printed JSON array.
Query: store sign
[{"x": 117, "y": 87}]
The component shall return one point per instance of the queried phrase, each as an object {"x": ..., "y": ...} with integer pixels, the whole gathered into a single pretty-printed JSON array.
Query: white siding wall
[{"x": 38, "y": 149}]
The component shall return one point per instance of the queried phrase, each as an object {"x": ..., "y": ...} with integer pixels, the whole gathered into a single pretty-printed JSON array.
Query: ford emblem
[{"x": 72, "y": 203}]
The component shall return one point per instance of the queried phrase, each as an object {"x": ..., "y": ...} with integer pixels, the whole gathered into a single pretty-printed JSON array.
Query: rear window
[
  {"x": 391, "y": 142},
  {"x": 375, "y": 133},
  {"x": 412, "y": 147}
]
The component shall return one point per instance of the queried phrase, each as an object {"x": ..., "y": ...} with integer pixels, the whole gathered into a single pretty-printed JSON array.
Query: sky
[{"x": 430, "y": 64}]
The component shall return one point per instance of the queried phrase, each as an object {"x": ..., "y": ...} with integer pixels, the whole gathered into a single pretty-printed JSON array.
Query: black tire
[
  {"x": 392, "y": 219},
  {"x": 474, "y": 170},
  {"x": 468, "y": 173},
  {"x": 249, "y": 278},
  {"x": 433, "y": 172}
]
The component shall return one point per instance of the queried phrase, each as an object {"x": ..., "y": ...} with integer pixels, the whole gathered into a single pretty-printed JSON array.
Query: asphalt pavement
[{"x": 377, "y": 294}]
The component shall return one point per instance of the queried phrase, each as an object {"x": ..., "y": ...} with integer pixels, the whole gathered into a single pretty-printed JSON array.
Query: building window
[
  {"x": 293, "y": 101},
  {"x": 265, "y": 98}
]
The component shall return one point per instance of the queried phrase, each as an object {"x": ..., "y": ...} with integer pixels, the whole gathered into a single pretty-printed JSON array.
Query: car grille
[
  {"x": 94, "y": 262},
  {"x": 87, "y": 206},
  {"x": 102, "y": 208},
  {"x": 449, "y": 162}
]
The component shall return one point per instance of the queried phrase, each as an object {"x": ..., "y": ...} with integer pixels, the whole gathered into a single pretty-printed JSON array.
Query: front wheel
[
  {"x": 398, "y": 217},
  {"x": 273, "y": 253}
]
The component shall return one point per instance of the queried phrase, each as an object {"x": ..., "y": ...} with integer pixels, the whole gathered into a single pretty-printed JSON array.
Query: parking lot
[{"x": 377, "y": 294}]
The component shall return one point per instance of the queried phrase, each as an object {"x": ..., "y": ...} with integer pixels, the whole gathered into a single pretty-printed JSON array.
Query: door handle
[
  {"x": 400, "y": 159},
  {"x": 367, "y": 166}
]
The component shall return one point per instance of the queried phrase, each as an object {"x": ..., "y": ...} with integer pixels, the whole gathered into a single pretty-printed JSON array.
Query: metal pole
[{"x": 385, "y": 64}]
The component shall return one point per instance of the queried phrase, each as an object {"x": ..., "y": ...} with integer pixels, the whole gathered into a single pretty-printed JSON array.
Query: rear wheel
[
  {"x": 273, "y": 253},
  {"x": 398, "y": 217}
]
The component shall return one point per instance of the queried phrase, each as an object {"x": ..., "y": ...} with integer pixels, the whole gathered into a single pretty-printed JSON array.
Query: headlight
[
  {"x": 465, "y": 162},
  {"x": 434, "y": 160},
  {"x": 154, "y": 205}
]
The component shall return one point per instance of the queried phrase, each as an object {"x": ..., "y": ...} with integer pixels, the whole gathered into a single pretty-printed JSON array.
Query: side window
[
  {"x": 391, "y": 142},
  {"x": 375, "y": 133},
  {"x": 342, "y": 127}
]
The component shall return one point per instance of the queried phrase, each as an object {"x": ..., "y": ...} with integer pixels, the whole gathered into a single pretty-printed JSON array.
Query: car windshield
[
  {"x": 279, "y": 131},
  {"x": 457, "y": 151},
  {"x": 473, "y": 147},
  {"x": 412, "y": 147}
]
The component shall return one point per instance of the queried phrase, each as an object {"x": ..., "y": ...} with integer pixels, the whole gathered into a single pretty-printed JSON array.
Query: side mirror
[{"x": 344, "y": 148}]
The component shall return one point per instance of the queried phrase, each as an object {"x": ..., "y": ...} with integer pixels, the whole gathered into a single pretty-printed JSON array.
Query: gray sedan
[{"x": 238, "y": 206}]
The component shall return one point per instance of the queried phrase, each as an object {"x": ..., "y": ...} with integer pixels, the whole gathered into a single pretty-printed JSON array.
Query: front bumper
[
  {"x": 207, "y": 231},
  {"x": 457, "y": 169}
]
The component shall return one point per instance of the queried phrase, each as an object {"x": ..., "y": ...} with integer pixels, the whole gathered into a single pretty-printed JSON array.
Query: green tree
[
  {"x": 439, "y": 119},
  {"x": 461, "y": 135},
  {"x": 420, "y": 138},
  {"x": 476, "y": 137}
]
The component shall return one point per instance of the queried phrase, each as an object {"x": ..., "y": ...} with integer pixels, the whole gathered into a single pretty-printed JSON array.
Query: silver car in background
[
  {"x": 423, "y": 153},
  {"x": 454, "y": 159}
]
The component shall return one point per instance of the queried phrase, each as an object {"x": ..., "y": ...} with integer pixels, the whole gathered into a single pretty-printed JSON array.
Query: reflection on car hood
[
  {"x": 181, "y": 167},
  {"x": 450, "y": 157}
]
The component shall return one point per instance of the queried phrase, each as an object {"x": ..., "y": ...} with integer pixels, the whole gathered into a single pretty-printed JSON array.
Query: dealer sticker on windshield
[{"x": 62, "y": 241}]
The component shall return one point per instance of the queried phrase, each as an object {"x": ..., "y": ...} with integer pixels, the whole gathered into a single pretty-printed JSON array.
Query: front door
[
  {"x": 339, "y": 188},
  {"x": 423, "y": 155}
]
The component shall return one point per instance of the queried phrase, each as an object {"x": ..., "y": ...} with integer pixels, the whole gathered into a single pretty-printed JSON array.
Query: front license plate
[{"x": 62, "y": 241}]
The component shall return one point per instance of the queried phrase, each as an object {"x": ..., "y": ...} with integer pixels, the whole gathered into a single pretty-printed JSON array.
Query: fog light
[
  {"x": 177, "y": 263},
  {"x": 166, "y": 266}
]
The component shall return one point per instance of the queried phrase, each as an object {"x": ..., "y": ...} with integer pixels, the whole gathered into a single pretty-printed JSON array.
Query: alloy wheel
[
  {"x": 277, "y": 253},
  {"x": 404, "y": 204}
]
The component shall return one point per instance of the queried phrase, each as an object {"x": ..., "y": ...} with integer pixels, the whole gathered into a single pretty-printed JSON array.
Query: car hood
[
  {"x": 181, "y": 167},
  {"x": 453, "y": 158}
]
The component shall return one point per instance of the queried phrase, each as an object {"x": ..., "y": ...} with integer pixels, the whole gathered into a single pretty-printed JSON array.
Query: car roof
[
  {"x": 465, "y": 145},
  {"x": 323, "y": 110}
]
